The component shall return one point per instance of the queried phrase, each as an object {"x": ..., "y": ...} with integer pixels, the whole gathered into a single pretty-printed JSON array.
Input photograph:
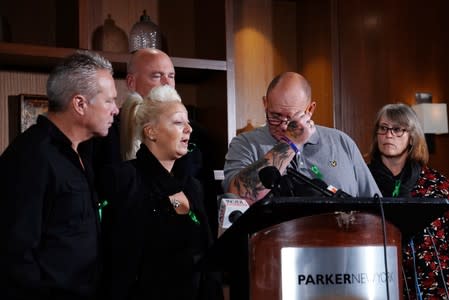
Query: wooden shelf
[{"x": 43, "y": 58}]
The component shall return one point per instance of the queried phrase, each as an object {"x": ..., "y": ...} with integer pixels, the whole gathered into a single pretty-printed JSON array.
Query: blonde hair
[{"x": 138, "y": 112}]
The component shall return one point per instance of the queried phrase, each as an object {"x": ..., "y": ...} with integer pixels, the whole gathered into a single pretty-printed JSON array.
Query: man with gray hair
[{"x": 49, "y": 221}]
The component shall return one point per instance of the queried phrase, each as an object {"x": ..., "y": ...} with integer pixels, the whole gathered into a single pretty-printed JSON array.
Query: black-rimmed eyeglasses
[
  {"x": 395, "y": 131},
  {"x": 276, "y": 121}
]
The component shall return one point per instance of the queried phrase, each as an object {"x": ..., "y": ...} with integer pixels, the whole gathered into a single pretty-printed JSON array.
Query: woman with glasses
[{"x": 399, "y": 158}]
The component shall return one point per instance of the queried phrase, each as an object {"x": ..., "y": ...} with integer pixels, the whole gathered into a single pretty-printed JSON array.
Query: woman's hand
[{"x": 180, "y": 203}]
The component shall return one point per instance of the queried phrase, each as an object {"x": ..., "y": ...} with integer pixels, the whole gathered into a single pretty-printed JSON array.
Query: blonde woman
[{"x": 155, "y": 228}]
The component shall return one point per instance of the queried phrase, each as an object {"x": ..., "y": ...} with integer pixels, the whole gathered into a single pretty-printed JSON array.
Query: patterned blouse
[{"x": 431, "y": 250}]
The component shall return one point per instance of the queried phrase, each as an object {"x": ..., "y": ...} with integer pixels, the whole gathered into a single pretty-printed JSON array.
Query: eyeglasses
[
  {"x": 395, "y": 131},
  {"x": 275, "y": 121}
]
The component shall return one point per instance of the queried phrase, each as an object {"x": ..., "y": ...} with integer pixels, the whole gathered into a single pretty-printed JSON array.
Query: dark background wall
[
  {"x": 373, "y": 53},
  {"x": 358, "y": 55}
]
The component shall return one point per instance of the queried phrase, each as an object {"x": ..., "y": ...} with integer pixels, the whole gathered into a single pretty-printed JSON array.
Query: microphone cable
[
  {"x": 438, "y": 261},
  {"x": 418, "y": 290},
  {"x": 405, "y": 282},
  {"x": 384, "y": 234}
]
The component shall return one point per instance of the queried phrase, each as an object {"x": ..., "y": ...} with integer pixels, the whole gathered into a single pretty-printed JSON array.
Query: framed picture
[{"x": 23, "y": 110}]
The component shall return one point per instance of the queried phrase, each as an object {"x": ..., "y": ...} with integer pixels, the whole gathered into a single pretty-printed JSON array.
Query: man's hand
[{"x": 300, "y": 128}]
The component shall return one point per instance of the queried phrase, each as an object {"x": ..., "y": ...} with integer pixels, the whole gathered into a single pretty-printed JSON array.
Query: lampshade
[{"x": 432, "y": 116}]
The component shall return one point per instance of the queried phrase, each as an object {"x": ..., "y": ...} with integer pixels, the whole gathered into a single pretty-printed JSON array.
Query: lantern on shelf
[
  {"x": 110, "y": 37},
  {"x": 144, "y": 34}
]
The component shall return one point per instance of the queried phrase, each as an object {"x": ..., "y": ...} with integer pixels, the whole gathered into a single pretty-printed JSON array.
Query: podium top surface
[{"x": 409, "y": 215}]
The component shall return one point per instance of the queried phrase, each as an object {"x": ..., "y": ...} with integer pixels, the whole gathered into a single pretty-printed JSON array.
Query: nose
[
  {"x": 283, "y": 126},
  {"x": 389, "y": 132},
  {"x": 165, "y": 80},
  {"x": 115, "y": 110},
  {"x": 188, "y": 128}
]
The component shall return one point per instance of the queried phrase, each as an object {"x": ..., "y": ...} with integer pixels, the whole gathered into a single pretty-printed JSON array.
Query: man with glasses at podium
[{"x": 290, "y": 139}]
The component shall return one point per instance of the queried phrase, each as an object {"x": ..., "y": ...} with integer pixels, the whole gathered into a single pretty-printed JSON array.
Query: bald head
[
  {"x": 148, "y": 68},
  {"x": 288, "y": 95},
  {"x": 290, "y": 81}
]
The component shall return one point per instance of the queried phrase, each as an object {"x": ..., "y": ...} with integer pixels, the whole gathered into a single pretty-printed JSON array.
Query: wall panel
[{"x": 388, "y": 51}]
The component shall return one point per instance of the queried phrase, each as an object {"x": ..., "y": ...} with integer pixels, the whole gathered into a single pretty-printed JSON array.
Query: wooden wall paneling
[
  {"x": 335, "y": 58},
  {"x": 210, "y": 29},
  {"x": 364, "y": 77},
  {"x": 90, "y": 17},
  {"x": 388, "y": 51},
  {"x": 439, "y": 159},
  {"x": 253, "y": 58},
  {"x": 66, "y": 23},
  {"x": 315, "y": 55},
  {"x": 210, "y": 43},
  {"x": 84, "y": 20},
  {"x": 432, "y": 72},
  {"x": 45, "y": 22},
  {"x": 178, "y": 27},
  {"x": 212, "y": 116},
  {"x": 285, "y": 42}
]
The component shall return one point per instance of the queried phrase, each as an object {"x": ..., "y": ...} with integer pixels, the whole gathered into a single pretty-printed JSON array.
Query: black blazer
[{"x": 150, "y": 251}]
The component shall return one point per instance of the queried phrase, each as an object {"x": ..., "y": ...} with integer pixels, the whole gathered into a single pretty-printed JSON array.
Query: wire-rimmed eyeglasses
[{"x": 395, "y": 131}]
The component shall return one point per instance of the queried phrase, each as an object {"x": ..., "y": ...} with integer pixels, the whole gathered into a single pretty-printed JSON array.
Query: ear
[
  {"x": 150, "y": 133},
  {"x": 265, "y": 102},
  {"x": 79, "y": 104},
  {"x": 131, "y": 82},
  {"x": 311, "y": 108}
]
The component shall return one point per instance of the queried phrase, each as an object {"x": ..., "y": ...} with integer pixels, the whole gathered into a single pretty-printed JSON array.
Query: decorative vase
[
  {"x": 144, "y": 34},
  {"x": 110, "y": 37}
]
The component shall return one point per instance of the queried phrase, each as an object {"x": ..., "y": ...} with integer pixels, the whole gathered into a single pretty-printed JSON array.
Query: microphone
[
  {"x": 336, "y": 192},
  {"x": 296, "y": 184},
  {"x": 279, "y": 185},
  {"x": 270, "y": 177},
  {"x": 231, "y": 208},
  {"x": 318, "y": 186}
]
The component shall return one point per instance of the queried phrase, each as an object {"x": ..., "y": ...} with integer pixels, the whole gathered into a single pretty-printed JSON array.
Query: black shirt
[
  {"x": 387, "y": 182},
  {"x": 150, "y": 251},
  {"x": 49, "y": 221}
]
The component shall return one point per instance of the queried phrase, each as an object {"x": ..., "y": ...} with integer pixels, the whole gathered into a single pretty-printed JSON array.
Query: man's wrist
[{"x": 291, "y": 144}]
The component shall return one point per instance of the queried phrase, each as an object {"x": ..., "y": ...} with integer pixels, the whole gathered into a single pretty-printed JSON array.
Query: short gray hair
[{"x": 76, "y": 74}]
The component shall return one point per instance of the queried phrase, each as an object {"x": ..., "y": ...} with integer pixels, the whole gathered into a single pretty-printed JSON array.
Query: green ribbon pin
[
  {"x": 397, "y": 186},
  {"x": 102, "y": 205}
]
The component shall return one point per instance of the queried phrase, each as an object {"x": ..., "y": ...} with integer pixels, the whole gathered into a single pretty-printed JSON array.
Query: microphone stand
[{"x": 300, "y": 178}]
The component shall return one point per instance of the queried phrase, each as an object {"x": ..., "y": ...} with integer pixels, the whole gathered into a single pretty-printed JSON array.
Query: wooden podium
[
  {"x": 320, "y": 248},
  {"x": 325, "y": 241}
]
